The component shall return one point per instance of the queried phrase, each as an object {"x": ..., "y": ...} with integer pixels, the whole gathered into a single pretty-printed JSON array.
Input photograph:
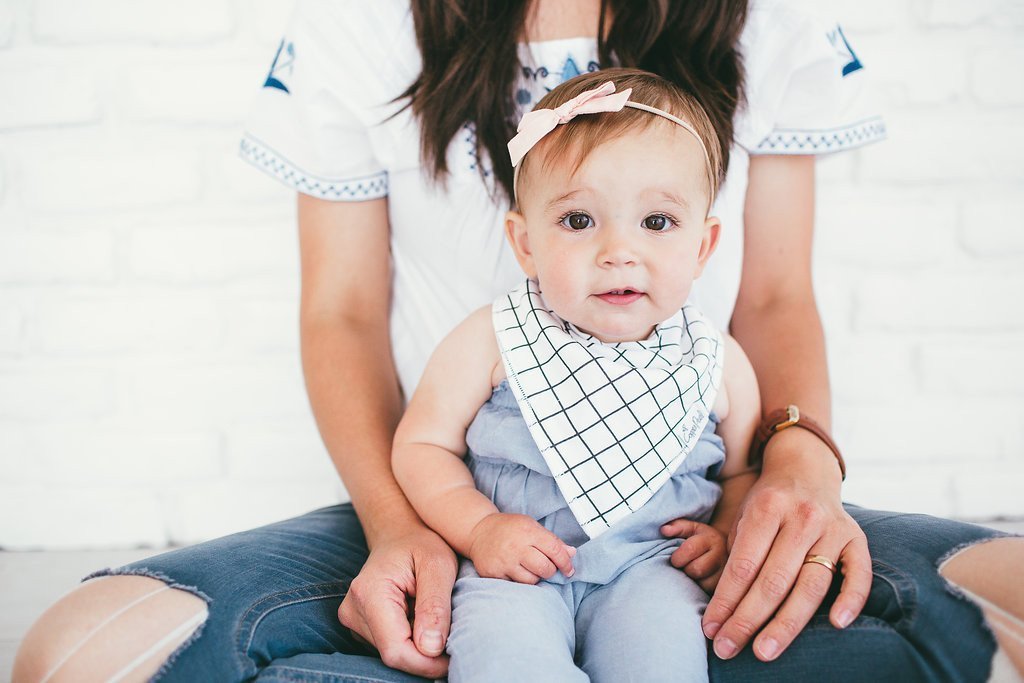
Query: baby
[{"x": 595, "y": 403}]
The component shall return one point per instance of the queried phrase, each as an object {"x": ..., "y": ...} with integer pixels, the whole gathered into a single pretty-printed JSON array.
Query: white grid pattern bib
[{"x": 612, "y": 421}]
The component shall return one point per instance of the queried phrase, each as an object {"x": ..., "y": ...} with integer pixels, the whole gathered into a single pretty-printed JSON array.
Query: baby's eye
[
  {"x": 657, "y": 222},
  {"x": 577, "y": 221}
]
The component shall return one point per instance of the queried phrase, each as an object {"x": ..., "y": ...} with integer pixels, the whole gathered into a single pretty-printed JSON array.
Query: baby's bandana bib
[{"x": 612, "y": 421}]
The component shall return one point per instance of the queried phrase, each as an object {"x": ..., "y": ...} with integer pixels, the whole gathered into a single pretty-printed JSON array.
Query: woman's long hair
[{"x": 470, "y": 64}]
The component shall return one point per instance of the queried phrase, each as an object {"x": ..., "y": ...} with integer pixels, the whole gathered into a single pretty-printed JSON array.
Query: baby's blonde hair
[{"x": 579, "y": 137}]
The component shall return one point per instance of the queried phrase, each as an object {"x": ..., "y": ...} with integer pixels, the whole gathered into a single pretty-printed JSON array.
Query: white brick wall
[{"x": 150, "y": 387}]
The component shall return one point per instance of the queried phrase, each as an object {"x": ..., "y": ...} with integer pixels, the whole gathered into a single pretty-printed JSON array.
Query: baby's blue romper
[{"x": 626, "y": 613}]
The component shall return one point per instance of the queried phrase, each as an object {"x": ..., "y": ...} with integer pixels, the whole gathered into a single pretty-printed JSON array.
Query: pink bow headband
[{"x": 539, "y": 122}]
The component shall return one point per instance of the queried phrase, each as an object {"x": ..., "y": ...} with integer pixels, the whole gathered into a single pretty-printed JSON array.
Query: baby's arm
[
  {"x": 739, "y": 419},
  {"x": 738, "y": 405},
  {"x": 427, "y": 462}
]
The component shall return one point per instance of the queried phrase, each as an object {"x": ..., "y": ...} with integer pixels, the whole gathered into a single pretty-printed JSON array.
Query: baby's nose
[{"x": 618, "y": 248}]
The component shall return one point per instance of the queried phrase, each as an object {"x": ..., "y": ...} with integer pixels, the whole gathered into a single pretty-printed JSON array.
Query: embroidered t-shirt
[{"x": 325, "y": 123}]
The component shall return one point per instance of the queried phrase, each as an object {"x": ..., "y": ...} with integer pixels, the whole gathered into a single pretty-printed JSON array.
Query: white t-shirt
[{"x": 325, "y": 123}]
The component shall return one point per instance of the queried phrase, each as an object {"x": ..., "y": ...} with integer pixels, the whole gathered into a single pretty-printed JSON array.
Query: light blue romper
[{"x": 626, "y": 613}]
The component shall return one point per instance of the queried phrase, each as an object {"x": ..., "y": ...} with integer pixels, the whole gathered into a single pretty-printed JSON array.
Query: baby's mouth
[{"x": 621, "y": 297}]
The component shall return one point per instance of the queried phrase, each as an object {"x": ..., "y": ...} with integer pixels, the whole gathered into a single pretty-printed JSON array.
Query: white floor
[{"x": 31, "y": 581}]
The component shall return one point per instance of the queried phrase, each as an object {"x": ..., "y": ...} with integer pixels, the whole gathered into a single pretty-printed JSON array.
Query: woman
[{"x": 385, "y": 276}]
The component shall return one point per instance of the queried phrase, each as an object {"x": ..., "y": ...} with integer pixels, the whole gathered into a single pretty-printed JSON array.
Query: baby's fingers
[
  {"x": 710, "y": 583},
  {"x": 521, "y": 574},
  {"x": 537, "y": 563},
  {"x": 680, "y": 528},
  {"x": 691, "y": 549},
  {"x": 706, "y": 565},
  {"x": 555, "y": 550}
]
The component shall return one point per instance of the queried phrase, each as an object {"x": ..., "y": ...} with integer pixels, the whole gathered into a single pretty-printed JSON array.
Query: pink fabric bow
[{"x": 539, "y": 122}]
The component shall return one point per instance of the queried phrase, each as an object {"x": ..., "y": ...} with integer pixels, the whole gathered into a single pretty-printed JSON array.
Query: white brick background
[{"x": 150, "y": 388}]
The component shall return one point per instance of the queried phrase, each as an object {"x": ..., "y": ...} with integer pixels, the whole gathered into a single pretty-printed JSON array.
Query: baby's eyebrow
[
  {"x": 674, "y": 198},
  {"x": 561, "y": 199}
]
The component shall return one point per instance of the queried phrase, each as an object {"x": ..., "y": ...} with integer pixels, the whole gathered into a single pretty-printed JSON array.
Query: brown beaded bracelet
[{"x": 784, "y": 418}]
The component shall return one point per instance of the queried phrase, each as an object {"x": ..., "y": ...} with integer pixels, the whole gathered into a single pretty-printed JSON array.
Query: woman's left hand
[{"x": 766, "y": 589}]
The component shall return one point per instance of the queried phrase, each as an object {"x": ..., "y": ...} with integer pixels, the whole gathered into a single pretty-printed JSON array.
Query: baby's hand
[
  {"x": 701, "y": 555},
  {"x": 518, "y": 548}
]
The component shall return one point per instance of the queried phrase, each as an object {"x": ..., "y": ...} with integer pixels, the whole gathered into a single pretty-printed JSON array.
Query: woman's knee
[
  {"x": 990, "y": 570},
  {"x": 988, "y": 574},
  {"x": 121, "y": 627}
]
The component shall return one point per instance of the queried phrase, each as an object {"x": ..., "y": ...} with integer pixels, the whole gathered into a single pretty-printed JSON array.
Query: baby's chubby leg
[
  {"x": 644, "y": 626},
  {"x": 507, "y": 631}
]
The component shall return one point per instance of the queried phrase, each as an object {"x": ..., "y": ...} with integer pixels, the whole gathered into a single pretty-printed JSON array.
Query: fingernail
[
  {"x": 710, "y": 630},
  {"x": 725, "y": 648},
  {"x": 844, "y": 618},
  {"x": 432, "y": 642},
  {"x": 570, "y": 550},
  {"x": 769, "y": 648}
]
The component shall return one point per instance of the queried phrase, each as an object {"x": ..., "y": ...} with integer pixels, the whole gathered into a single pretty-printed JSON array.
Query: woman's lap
[{"x": 274, "y": 592}]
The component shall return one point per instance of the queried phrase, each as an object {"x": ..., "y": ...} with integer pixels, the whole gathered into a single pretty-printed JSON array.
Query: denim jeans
[{"x": 274, "y": 593}]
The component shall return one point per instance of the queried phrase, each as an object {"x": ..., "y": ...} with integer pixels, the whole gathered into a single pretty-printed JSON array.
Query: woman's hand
[
  {"x": 518, "y": 548},
  {"x": 766, "y": 590},
  {"x": 409, "y": 574},
  {"x": 790, "y": 512}
]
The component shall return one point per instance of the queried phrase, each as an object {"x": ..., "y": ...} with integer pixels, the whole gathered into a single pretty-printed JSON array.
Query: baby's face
[{"x": 617, "y": 245}]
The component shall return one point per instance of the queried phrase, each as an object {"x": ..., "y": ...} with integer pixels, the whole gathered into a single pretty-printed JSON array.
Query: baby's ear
[
  {"x": 712, "y": 228},
  {"x": 515, "y": 231}
]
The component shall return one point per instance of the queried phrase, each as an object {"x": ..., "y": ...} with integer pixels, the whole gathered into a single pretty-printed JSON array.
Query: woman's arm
[
  {"x": 794, "y": 508},
  {"x": 346, "y": 352},
  {"x": 354, "y": 392}
]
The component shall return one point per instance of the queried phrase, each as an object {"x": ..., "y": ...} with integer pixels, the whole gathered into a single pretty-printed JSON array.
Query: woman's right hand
[{"x": 411, "y": 573}]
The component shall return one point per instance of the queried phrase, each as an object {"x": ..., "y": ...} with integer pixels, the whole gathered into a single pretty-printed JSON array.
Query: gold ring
[{"x": 822, "y": 560}]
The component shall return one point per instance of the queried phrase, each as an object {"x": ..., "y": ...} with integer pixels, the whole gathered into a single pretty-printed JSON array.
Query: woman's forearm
[
  {"x": 776, "y": 319},
  {"x": 354, "y": 392},
  {"x": 784, "y": 340},
  {"x": 786, "y": 346}
]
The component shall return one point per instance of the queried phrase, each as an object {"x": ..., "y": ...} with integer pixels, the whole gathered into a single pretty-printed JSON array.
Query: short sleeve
[
  {"x": 310, "y": 126},
  {"x": 807, "y": 88}
]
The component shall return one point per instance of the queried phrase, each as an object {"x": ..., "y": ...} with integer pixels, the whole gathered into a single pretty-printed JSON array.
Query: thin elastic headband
[{"x": 539, "y": 122}]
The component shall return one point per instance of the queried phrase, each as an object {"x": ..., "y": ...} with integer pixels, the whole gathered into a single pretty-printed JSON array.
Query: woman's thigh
[
  {"x": 913, "y": 627},
  {"x": 272, "y": 595}
]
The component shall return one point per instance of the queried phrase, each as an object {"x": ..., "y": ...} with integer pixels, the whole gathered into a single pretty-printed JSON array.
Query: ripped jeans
[{"x": 273, "y": 596}]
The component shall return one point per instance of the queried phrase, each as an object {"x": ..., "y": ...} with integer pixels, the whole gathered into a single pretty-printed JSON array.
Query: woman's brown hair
[{"x": 470, "y": 63}]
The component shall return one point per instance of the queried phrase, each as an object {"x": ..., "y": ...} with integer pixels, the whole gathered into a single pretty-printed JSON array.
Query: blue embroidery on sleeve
[
  {"x": 278, "y": 69},
  {"x": 360, "y": 188},
  {"x": 817, "y": 141},
  {"x": 845, "y": 50}
]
